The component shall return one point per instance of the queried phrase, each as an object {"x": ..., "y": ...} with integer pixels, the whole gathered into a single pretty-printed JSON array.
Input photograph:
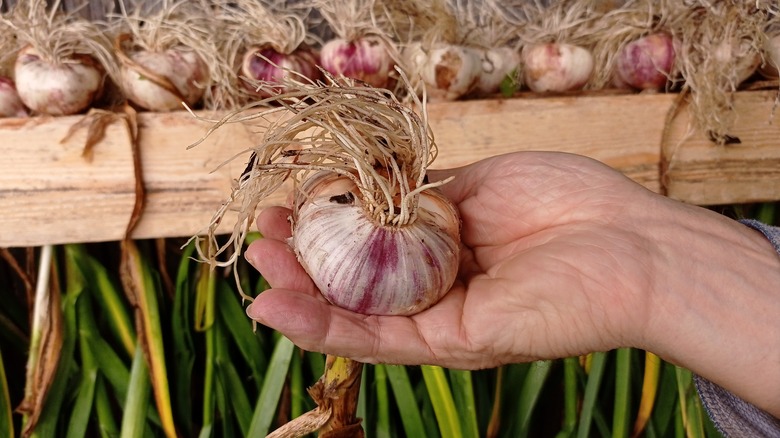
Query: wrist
[{"x": 715, "y": 307}]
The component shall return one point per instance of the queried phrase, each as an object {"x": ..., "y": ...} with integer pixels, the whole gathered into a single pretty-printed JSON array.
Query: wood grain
[{"x": 49, "y": 193}]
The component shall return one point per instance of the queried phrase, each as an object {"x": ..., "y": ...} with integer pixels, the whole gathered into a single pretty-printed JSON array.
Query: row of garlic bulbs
[{"x": 221, "y": 54}]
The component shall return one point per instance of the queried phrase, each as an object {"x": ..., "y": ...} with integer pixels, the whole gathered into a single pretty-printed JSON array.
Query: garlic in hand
[
  {"x": 369, "y": 267},
  {"x": 373, "y": 234}
]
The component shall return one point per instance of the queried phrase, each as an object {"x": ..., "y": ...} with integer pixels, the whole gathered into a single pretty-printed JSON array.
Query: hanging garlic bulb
[
  {"x": 161, "y": 81},
  {"x": 63, "y": 61},
  {"x": 57, "y": 88},
  {"x": 268, "y": 44},
  {"x": 365, "y": 58},
  {"x": 167, "y": 56},
  {"x": 498, "y": 64},
  {"x": 360, "y": 48},
  {"x": 556, "y": 67},
  {"x": 10, "y": 104},
  {"x": 449, "y": 71},
  {"x": 265, "y": 65},
  {"x": 372, "y": 233},
  {"x": 646, "y": 63}
]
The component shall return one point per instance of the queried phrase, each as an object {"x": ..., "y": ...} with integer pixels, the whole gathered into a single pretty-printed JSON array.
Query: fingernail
[
  {"x": 254, "y": 312},
  {"x": 249, "y": 257}
]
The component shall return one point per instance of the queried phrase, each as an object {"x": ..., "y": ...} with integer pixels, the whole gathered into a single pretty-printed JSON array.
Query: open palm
[{"x": 548, "y": 269}]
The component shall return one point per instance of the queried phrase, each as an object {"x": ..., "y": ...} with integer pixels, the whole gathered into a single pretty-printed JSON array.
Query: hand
[
  {"x": 561, "y": 256},
  {"x": 549, "y": 269}
]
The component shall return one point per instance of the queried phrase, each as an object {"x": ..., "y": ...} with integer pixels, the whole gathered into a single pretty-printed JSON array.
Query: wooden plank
[
  {"x": 622, "y": 131},
  {"x": 50, "y": 194},
  {"x": 700, "y": 172}
]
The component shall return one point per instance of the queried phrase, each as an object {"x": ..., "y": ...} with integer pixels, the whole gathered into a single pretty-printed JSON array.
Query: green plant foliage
[
  {"x": 6, "y": 410},
  {"x": 227, "y": 377}
]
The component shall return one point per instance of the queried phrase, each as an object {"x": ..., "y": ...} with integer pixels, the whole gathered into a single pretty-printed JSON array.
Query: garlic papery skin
[
  {"x": 369, "y": 267},
  {"x": 365, "y": 59},
  {"x": 770, "y": 69},
  {"x": 161, "y": 81},
  {"x": 497, "y": 64},
  {"x": 740, "y": 56},
  {"x": 556, "y": 67},
  {"x": 57, "y": 89},
  {"x": 647, "y": 62},
  {"x": 448, "y": 71},
  {"x": 10, "y": 103},
  {"x": 268, "y": 66}
]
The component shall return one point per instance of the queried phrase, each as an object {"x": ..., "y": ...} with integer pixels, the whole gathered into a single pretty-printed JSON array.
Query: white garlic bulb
[
  {"x": 57, "y": 88},
  {"x": 183, "y": 70},
  {"x": 448, "y": 71},
  {"x": 498, "y": 63},
  {"x": 556, "y": 67},
  {"x": 372, "y": 268}
]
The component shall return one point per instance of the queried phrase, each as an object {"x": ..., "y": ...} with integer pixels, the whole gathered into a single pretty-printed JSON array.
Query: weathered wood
[
  {"x": 700, "y": 172},
  {"x": 49, "y": 193}
]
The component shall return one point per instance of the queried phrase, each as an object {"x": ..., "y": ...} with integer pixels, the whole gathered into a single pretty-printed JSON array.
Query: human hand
[{"x": 553, "y": 265}]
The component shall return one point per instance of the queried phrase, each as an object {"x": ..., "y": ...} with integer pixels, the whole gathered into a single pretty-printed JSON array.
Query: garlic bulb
[
  {"x": 448, "y": 71},
  {"x": 10, "y": 104},
  {"x": 57, "y": 88},
  {"x": 374, "y": 268},
  {"x": 770, "y": 69},
  {"x": 740, "y": 57},
  {"x": 646, "y": 63},
  {"x": 268, "y": 66},
  {"x": 366, "y": 59},
  {"x": 161, "y": 81},
  {"x": 498, "y": 63},
  {"x": 373, "y": 233},
  {"x": 556, "y": 67}
]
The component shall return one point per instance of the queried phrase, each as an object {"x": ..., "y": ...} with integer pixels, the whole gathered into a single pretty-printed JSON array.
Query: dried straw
[{"x": 718, "y": 45}]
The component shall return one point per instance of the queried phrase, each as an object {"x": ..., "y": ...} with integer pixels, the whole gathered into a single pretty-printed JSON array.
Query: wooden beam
[{"x": 49, "y": 193}]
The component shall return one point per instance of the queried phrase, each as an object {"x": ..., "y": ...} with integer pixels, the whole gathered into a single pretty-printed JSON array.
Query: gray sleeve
[{"x": 733, "y": 416}]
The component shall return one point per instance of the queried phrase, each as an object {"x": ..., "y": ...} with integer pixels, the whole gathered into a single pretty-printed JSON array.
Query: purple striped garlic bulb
[
  {"x": 270, "y": 68},
  {"x": 370, "y": 267},
  {"x": 10, "y": 104},
  {"x": 365, "y": 59},
  {"x": 372, "y": 232}
]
